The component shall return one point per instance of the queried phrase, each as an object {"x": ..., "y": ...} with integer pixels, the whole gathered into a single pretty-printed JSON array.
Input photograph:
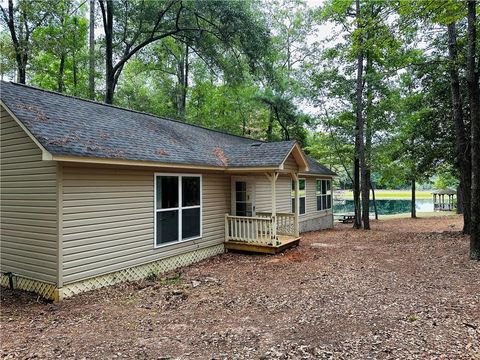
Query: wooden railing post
[
  {"x": 226, "y": 227},
  {"x": 274, "y": 230},
  {"x": 297, "y": 202}
]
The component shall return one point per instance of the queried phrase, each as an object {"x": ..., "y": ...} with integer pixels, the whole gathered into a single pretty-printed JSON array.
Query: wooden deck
[{"x": 284, "y": 242}]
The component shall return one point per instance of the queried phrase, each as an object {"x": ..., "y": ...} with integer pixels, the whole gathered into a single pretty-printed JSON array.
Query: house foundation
[{"x": 155, "y": 268}]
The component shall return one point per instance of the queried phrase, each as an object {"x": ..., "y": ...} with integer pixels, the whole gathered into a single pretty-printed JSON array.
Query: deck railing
[
  {"x": 285, "y": 222},
  {"x": 262, "y": 229},
  {"x": 258, "y": 230}
]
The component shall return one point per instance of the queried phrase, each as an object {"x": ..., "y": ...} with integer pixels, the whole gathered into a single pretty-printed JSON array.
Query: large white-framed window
[
  {"x": 324, "y": 195},
  {"x": 302, "y": 194},
  {"x": 178, "y": 208}
]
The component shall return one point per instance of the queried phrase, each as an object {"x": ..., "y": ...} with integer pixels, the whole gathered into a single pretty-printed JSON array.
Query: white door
[{"x": 243, "y": 197}]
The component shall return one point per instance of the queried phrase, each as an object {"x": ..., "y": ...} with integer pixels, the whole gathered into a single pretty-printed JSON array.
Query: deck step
[{"x": 285, "y": 243}]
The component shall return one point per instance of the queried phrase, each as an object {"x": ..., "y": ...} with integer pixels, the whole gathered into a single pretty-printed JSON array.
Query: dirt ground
[{"x": 404, "y": 290}]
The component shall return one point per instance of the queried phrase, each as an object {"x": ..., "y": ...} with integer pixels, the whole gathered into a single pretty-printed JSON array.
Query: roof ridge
[{"x": 131, "y": 110}]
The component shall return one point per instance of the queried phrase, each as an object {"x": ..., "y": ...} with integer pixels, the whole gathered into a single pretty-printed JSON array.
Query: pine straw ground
[{"x": 403, "y": 290}]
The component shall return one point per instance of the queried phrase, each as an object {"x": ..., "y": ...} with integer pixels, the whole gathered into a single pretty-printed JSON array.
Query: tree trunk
[
  {"x": 107, "y": 14},
  {"x": 22, "y": 72},
  {"x": 185, "y": 83},
  {"x": 114, "y": 70},
  {"x": 74, "y": 58},
  {"x": 179, "y": 88},
  {"x": 91, "y": 52},
  {"x": 356, "y": 162},
  {"x": 182, "y": 77},
  {"x": 463, "y": 159},
  {"x": 374, "y": 201},
  {"x": 20, "y": 50},
  {"x": 61, "y": 71},
  {"x": 285, "y": 132},
  {"x": 413, "y": 210},
  {"x": 459, "y": 200},
  {"x": 75, "y": 73},
  {"x": 360, "y": 124},
  {"x": 368, "y": 129},
  {"x": 109, "y": 84},
  {"x": 357, "y": 224},
  {"x": 270, "y": 125},
  {"x": 474, "y": 99},
  {"x": 356, "y": 170}
]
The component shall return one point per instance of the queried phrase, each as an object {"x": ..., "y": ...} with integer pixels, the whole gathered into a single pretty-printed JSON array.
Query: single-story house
[{"x": 93, "y": 194}]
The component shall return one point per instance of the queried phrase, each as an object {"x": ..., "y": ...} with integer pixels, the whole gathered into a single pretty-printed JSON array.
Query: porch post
[
  {"x": 297, "y": 203},
  {"x": 226, "y": 227},
  {"x": 273, "y": 181}
]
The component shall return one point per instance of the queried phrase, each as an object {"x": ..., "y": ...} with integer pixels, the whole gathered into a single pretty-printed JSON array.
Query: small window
[
  {"x": 167, "y": 192},
  {"x": 301, "y": 195},
  {"x": 190, "y": 191},
  {"x": 177, "y": 208},
  {"x": 324, "y": 196}
]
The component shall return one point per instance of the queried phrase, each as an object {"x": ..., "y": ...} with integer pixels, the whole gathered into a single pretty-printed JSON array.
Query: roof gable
[
  {"x": 299, "y": 156},
  {"x": 45, "y": 154}
]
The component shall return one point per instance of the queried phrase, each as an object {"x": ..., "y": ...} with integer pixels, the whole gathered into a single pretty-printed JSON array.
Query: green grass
[
  {"x": 425, "y": 214},
  {"x": 172, "y": 280},
  {"x": 413, "y": 318},
  {"x": 390, "y": 194}
]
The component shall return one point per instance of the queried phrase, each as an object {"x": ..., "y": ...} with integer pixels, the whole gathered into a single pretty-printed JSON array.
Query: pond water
[{"x": 387, "y": 207}]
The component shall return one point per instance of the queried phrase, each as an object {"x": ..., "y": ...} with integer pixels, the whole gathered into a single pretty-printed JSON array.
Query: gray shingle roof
[
  {"x": 317, "y": 168},
  {"x": 70, "y": 126}
]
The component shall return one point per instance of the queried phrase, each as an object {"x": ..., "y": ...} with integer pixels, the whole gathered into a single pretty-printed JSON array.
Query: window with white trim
[
  {"x": 301, "y": 195},
  {"x": 178, "y": 210},
  {"x": 324, "y": 196}
]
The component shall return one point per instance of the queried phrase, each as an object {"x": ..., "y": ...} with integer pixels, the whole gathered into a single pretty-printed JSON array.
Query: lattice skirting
[
  {"x": 50, "y": 291},
  {"x": 46, "y": 290}
]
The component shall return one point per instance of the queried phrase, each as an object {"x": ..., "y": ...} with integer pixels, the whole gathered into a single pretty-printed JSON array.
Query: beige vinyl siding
[
  {"x": 28, "y": 209},
  {"x": 311, "y": 200},
  {"x": 290, "y": 163},
  {"x": 108, "y": 219},
  {"x": 263, "y": 194}
]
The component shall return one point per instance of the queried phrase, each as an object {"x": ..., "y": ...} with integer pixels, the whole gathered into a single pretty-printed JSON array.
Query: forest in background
[{"x": 383, "y": 92}]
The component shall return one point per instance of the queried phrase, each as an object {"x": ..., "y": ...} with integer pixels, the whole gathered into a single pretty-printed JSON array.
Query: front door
[{"x": 243, "y": 197}]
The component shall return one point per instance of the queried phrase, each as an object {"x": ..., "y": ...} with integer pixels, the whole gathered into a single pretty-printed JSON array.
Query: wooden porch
[{"x": 263, "y": 233}]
